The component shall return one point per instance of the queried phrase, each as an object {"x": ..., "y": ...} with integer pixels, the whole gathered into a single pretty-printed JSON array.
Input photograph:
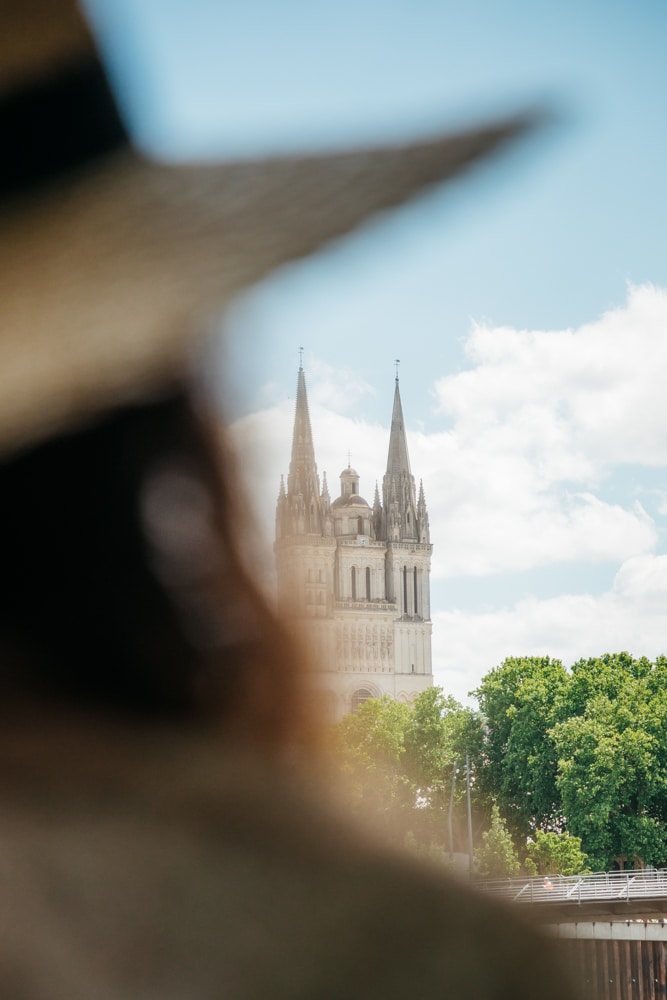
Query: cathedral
[{"x": 355, "y": 576}]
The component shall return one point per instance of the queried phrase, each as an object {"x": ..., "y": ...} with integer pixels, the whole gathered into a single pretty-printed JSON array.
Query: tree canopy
[
  {"x": 583, "y": 751},
  {"x": 554, "y": 854},
  {"x": 497, "y": 857},
  {"x": 520, "y": 702},
  {"x": 400, "y": 761},
  {"x": 573, "y": 762}
]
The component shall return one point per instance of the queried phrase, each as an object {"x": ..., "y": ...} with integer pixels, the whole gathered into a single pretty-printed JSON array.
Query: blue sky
[{"x": 526, "y": 301}]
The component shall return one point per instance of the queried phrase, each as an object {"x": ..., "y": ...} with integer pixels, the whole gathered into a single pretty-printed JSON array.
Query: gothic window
[
  {"x": 368, "y": 583},
  {"x": 354, "y": 584},
  {"x": 405, "y": 590},
  {"x": 359, "y": 697},
  {"x": 415, "y": 590},
  {"x": 360, "y": 525}
]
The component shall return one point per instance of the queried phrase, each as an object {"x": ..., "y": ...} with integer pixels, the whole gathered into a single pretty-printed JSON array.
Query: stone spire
[
  {"x": 398, "y": 486},
  {"x": 301, "y": 507},
  {"x": 302, "y": 463},
  {"x": 397, "y": 460}
]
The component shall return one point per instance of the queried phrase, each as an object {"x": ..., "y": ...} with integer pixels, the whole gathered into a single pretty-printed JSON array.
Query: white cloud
[
  {"x": 632, "y": 615},
  {"x": 338, "y": 389},
  {"x": 538, "y": 425},
  {"x": 595, "y": 394},
  {"x": 490, "y": 512},
  {"x": 495, "y": 503}
]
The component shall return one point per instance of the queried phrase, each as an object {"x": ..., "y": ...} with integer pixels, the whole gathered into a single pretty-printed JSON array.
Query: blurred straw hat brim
[{"x": 103, "y": 269}]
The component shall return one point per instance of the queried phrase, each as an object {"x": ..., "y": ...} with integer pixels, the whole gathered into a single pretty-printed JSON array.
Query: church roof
[{"x": 352, "y": 500}]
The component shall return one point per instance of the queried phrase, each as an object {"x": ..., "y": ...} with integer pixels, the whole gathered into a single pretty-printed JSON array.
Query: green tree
[
  {"x": 584, "y": 752},
  {"x": 497, "y": 857},
  {"x": 608, "y": 675},
  {"x": 554, "y": 854},
  {"x": 612, "y": 749},
  {"x": 399, "y": 761},
  {"x": 612, "y": 776},
  {"x": 440, "y": 733},
  {"x": 370, "y": 745},
  {"x": 520, "y": 702}
]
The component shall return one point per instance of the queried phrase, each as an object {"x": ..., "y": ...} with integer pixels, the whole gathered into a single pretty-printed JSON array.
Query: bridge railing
[{"x": 612, "y": 886}]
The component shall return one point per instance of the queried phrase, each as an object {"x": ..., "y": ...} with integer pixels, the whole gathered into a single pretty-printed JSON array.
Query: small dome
[
  {"x": 351, "y": 500},
  {"x": 349, "y": 472}
]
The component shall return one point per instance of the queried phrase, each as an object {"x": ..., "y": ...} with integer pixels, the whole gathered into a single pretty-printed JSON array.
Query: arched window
[
  {"x": 360, "y": 525},
  {"x": 359, "y": 697},
  {"x": 415, "y": 590},
  {"x": 368, "y": 583},
  {"x": 354, "y": 584},
  {"x": 405, "y": 590}
]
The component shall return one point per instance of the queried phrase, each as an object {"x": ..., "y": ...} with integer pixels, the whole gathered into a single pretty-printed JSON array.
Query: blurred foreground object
[
  {"x": 156, "y": 840},
  {"x": 126, "y": 253}
]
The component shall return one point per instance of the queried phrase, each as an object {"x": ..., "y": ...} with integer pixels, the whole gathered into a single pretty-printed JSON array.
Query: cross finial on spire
[
  {"x": 349, "y": 459},
  {"x": 397, "y": 363},
  {"x": 301, "y": 359}
]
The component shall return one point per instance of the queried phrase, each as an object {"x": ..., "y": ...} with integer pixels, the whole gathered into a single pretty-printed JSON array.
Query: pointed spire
[
  {"x": 281, "y": 491},
  {"x": 421, "y": 501},
  {"x": 303, "y": 486},
  {"x": 325, "y": 487},
  {"x": 302, "y": 462},
  {"x": 398, "y": 486},
  {"x": 397, "y": 459}
]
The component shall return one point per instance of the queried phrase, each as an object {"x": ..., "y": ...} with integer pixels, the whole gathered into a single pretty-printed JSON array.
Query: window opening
[{"x": 359, "y": 697}]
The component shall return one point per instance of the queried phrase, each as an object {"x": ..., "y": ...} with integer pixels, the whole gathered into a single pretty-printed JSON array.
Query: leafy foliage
[
  {"x": 400, "y": 760},
  {"x": 612, "y": 756},
  {"x": 497, "y": 857},
  {"x": 554, "y": 854},
  {"x": 520, "y": 701},
  {"x": 582, "y": 752},
  {"x": 575, "y": 762},
  {"x": 371, "y": 745},
  {"x": 439, "y": 735}
]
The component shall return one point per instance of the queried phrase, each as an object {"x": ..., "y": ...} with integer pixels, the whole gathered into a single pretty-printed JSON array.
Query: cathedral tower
[{"x": 357, "y": 576}]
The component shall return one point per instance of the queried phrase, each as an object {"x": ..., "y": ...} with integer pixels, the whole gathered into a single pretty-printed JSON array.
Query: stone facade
[{"x": 357, "y": 576}]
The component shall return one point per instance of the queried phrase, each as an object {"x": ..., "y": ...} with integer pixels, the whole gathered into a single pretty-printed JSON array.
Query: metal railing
[{"x": 598, "y": 887}]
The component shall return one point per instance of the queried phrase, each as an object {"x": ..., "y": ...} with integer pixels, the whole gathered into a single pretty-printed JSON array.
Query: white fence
[{"x": 614, "y": 887}]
